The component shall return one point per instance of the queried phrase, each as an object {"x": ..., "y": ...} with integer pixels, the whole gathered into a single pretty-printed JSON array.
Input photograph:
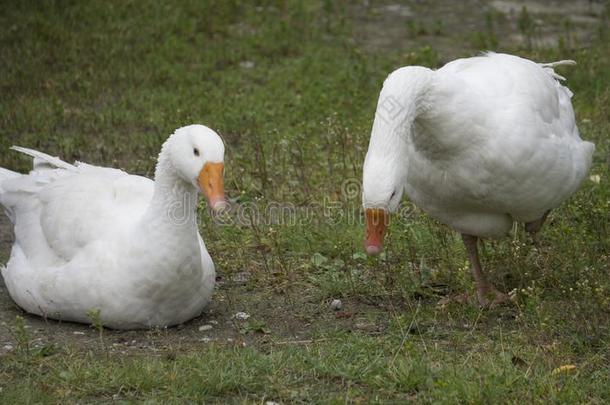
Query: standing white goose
[
  {"x": 478, "y": 144},
  {"x": 90, "y": 238}
]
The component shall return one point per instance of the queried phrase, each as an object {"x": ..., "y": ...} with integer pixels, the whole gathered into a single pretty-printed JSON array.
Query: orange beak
[
  {"x": 210, "y": 181},
  {"x": 377, "y": 221}
]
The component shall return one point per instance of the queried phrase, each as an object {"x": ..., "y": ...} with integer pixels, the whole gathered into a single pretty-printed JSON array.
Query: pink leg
[{"x": 487, "y": 294}]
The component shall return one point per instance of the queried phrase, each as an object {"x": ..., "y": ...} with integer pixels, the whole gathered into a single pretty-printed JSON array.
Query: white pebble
[
  {"x": 336, "y": 304},
  {"x": 203, "y": 328},
  {"x": 8, "y": 347},
  {"x": 78, "y": 333},
  {"x": 241, "y": 316}
]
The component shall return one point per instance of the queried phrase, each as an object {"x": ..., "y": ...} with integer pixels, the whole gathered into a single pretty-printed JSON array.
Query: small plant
[
  {"x": 416, "y": 28},
  {"x": 46, "y": 350},
  {"x": 23, "y": 341},
  {"x": 96, "y": 323},
  {"x": 21, "y": 336},
  {"x": 254, "y": 326},
  {"x": 439, "y": 28},
  {"x": 527, "y": 26},
  {"x": 322, "y": 262},
  {"x": 488, "y": 39}
]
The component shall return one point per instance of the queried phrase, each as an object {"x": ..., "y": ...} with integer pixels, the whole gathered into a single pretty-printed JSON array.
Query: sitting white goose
[
  {"x": 91, "y": 238},
  {"x": 477, "y": 144}
]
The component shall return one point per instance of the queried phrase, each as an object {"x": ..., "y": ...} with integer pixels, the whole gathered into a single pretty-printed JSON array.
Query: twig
[
  {"x": 406, "y": 335},
  {"x": 301, "y": 342}
]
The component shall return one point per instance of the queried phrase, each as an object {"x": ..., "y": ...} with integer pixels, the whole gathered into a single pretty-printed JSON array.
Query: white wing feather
[{"x": 63, "y": 207}]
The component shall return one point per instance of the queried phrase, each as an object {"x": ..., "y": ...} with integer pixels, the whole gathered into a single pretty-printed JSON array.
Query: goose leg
[
  {"x": 487, "y": 294},
  {"x": 533, "y": 227}
]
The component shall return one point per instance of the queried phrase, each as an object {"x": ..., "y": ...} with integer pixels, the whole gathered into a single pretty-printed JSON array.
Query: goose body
[
  {"x": 90, "y": 238},
  {"x": 477, "y": 144}
]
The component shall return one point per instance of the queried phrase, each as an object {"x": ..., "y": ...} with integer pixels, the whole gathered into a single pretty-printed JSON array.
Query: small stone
[
  {"x": 398, "y": 10},
  {"x": 241, "y": 316},
  {"x": 336, "y": 305},
  {"x": 203, "y": 328},
  {"x": 272, "y": 403},
  {"x": 241, "y": 277},
  {"x": 8, "y": 347},
  {"x": 247, "y": 64},
  {"x": 78, "y": 333},
  {"x": 595, "y": 178},
  {"x": 213, "y": 322}
]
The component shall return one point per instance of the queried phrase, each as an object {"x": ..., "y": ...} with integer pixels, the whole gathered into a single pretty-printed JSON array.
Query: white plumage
[
  {"x": 478, "y": 144},
  {"x": 90, "y": 238}
]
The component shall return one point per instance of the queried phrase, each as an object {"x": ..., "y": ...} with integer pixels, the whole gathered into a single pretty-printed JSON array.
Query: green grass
[
  {"x": 345, "y": 366},
  {"x": 107, "y": 82}
]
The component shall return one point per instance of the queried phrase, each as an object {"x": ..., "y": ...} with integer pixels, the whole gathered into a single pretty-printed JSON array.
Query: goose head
[
  {"x": 382, "y": 190},
  {"x": 401, "y": 100},
  {"x": 383, "y": 183},
  {"x": 196, "y": 153}
]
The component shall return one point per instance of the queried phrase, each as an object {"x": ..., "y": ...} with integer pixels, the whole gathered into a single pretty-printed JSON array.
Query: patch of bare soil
[{"x": 452, "y": 27}]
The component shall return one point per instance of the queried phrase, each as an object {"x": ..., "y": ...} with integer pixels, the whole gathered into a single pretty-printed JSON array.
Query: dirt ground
[
  {"x": 297, "y": 317},
  {"x": 449, "y": 27}
]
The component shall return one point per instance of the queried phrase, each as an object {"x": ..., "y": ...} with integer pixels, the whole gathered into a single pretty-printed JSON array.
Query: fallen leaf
[{"x": 563, "y": 369}]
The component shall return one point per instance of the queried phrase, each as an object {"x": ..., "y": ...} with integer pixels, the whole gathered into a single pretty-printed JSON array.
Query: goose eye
[{"x": 196, "y": 152}]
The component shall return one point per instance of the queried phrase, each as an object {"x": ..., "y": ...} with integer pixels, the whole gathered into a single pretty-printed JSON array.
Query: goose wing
[
  {"x": 510, "y": 132},
  {"x": 59, "y": 208}
]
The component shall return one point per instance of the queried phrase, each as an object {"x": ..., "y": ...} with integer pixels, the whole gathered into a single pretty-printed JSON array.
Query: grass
[
  {"x": 293, "y": 95},
  {"x": 345, "y": 366}
]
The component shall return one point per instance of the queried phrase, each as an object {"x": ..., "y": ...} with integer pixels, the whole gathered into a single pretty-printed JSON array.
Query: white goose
[
  {"x": 477, "y": 144},
  {"x": 90, "y": 238}
]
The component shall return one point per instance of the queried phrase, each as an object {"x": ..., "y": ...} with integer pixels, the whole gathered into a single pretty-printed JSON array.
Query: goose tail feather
[
  {"x": 549, "y": 67},
  {"x": 42, "y": 160}
]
